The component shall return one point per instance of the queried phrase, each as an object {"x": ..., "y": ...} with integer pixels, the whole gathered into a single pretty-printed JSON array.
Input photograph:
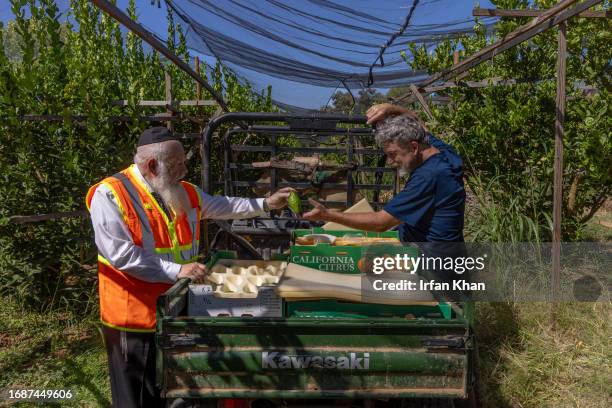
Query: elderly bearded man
[
  {"x": 431, "y": 206},
  {"x": 147, "y": 225}
]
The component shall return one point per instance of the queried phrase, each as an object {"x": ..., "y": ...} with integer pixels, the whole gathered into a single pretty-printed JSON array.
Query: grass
[
  {"x": 600, "y": 226},
  {"x": 52, "y": 351},
  {"x": 526, "y": 362}
]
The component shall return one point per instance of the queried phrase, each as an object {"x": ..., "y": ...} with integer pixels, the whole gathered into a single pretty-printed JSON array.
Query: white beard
[
  {"x": 403, "y": 172},
  {"x": 171, "y": 191}
]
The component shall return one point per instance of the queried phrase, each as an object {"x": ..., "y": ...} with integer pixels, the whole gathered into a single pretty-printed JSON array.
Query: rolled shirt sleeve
[{"x": 115, "y": 243}]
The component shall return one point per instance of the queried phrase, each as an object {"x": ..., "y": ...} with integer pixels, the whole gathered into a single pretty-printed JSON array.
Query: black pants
[{"x": 131, "y": 364}]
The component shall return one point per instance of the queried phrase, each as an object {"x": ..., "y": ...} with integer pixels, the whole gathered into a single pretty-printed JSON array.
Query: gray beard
[
  {"x": 403, "y": 172},
  {"x": 172, "y": 193}
]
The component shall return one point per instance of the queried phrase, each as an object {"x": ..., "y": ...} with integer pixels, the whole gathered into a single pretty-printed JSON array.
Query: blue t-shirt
[{"x": 432, "y": 203}]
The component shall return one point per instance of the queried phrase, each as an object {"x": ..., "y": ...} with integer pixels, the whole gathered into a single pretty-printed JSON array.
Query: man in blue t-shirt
[{"x": 431, "y": 206}]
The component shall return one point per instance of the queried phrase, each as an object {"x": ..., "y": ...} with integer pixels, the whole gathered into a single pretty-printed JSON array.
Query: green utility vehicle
[{"x": 318, "y": 352}]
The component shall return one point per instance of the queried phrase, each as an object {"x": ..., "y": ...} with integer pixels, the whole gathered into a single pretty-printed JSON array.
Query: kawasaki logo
[{"x": 276, "y": 359}]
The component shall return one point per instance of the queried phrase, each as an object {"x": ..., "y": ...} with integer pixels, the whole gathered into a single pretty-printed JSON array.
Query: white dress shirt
[{"x": 114, "y": 240}]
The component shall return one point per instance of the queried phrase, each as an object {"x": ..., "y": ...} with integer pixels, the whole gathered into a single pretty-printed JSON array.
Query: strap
[{"x": 145, "y": 225}]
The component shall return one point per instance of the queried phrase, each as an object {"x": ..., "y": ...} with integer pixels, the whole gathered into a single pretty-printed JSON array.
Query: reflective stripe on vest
[{"x": 128, "y": 303}]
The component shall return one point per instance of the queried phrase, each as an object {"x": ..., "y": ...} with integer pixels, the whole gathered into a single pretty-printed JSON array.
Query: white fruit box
[
  {"x": 202, "y": 302},
  {"x": 205, "y": 299}
]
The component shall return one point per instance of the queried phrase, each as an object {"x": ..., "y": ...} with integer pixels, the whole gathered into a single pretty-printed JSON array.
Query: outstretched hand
[
  {"x": 381, "y": 111},
  {"x": 278, "y": 200},
  {"x": 318, "y": 213}
]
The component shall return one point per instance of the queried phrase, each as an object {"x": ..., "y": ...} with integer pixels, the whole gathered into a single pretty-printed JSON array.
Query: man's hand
[
  {"x": 381, "y": 111},
  {"x": 278, "y": 200},
  {"x": 318, "y": 213},
  {"x": 194, "y": 271},
  {"x": 369, "y": 221}
]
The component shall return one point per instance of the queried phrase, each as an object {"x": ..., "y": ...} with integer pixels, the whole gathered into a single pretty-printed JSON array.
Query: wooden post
[
  {"x": 422, "y": 101},
  {"x": 198, "y": 86},
  {"x": 453, "y": 105},
  {"x": 168, "y": 81},
  {"x": 23, "y": 219},
  {"x": 534, "y": 13},
  {"x": 558, "y": 170},
  {"x": 150, "y": 39}
]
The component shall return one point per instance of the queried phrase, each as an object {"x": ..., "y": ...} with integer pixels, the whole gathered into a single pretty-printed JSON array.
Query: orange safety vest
[{"x": 128, "y": 303}]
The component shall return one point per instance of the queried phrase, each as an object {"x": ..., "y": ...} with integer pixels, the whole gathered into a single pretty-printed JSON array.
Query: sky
[{"x": 291, "y": 92}]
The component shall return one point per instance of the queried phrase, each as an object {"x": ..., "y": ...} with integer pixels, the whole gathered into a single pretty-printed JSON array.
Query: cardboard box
[
  {"x": 202, "y": 302},
  {"x": 341, "y": 259},
  {"x": 360, "y": 207}
]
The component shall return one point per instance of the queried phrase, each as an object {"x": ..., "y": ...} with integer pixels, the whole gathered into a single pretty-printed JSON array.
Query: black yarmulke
[{"x": 156, "y": 134}]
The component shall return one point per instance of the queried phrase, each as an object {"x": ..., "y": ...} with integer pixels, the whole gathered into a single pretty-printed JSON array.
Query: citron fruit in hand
[{"x": 294, "y": 203}]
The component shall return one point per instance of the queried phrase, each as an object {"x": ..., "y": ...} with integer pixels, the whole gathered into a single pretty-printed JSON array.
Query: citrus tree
[
  {"x": 506, "y": 133},
  {"x": 78, "y": 68}
]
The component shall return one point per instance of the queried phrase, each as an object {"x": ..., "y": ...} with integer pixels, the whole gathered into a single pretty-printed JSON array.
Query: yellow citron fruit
[{"x": 294, "y": 203}]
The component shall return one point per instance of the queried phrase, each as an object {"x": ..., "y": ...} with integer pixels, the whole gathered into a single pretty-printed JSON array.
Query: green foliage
[
  {"x": 45, "y": 167},
  {"x": 506, "y": 133},
  {"x": 495, "y": 216}
]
